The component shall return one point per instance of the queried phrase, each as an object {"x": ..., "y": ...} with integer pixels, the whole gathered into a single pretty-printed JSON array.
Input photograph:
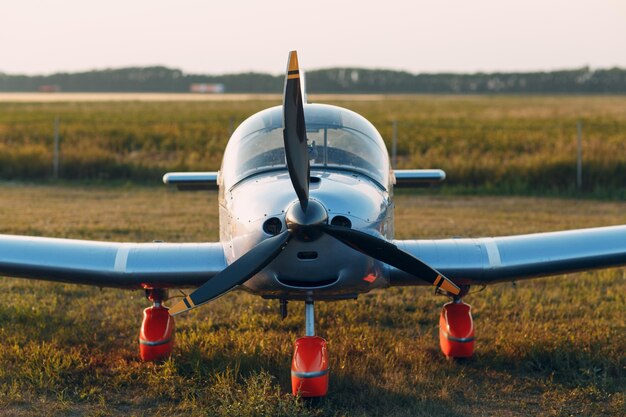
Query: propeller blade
[
  {"x": 235, "y": 274},
  {"x": 392, "y": 255},
  {"x": 294, "y": 133}
]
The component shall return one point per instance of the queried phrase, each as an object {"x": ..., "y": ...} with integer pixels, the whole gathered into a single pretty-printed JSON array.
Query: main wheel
[
  {"x": 156, "y": 338},
  {"x": 456, "y": 330}
]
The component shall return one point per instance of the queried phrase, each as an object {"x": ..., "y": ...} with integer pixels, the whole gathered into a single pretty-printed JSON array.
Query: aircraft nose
[{"x": 302, "y": 222}]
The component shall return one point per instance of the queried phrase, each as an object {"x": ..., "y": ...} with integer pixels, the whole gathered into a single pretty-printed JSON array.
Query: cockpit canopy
[{"x": 337, "y": 139}]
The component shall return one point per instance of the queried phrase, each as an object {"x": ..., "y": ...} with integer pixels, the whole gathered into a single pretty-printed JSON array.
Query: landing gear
[
  {"x": 309, "y": 367},
  {"x": 156, "y": 338},
  {"x": 456, "y": 330}
]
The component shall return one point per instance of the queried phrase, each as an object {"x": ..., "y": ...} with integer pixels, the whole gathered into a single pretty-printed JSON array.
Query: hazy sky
[{"x": 232, "y": 36}]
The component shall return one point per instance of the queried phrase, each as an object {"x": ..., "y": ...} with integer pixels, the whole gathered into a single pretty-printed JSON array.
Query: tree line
[{"x": 333, "y": 80}]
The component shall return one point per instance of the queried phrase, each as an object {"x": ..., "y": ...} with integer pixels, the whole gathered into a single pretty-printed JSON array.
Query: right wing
[
  {"x": 509, "y": 258},
  {"x": 110, "y": 264},
  {"x": 410, "y": 178}
]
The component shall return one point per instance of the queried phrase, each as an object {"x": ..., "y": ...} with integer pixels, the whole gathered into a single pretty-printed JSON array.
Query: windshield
[{"x": 336, "y": 137}]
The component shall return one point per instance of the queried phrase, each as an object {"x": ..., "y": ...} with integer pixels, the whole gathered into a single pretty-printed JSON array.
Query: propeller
[
  {"x": 294, "y": 133},
  {"x": 235, "y": 274},
  {"x": 307, "y": 220},
  {"x": 390, "y": 254}
]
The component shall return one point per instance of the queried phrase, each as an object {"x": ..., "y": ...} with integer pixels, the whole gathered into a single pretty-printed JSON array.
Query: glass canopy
[{"x": 337, "y": 138}]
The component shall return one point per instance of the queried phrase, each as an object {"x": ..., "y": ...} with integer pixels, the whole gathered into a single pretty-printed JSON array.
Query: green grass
[
  {"x": 499, "y": 144},
  {"x": 552, "y": 346}
]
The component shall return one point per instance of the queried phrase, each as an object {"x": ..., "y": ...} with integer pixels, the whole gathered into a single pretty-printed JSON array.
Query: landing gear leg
[
  {"x": 456, "y": 330},
  {"x": 309, "y": 367},
  {"x": 156, "y": 337}
]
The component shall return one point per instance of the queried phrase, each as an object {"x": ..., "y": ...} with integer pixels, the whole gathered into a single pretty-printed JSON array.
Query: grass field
[
  {"x": 551, "y": 346},
  {"x": 501, "y": 144}
]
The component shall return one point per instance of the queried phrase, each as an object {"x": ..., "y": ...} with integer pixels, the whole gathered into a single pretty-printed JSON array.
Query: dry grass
[
  {"x": 512, "y": 144},
  {"x": 550, "y": 347}
]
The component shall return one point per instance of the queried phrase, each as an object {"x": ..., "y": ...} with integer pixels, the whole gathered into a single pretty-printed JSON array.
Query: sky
[{"x": 215, "y": 37}]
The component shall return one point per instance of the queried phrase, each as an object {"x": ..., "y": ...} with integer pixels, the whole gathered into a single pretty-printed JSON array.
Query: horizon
[{"x": 173, "y": 68}]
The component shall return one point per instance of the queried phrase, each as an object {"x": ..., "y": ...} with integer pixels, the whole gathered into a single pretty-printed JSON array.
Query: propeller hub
[{"x": 300, "y": 221}]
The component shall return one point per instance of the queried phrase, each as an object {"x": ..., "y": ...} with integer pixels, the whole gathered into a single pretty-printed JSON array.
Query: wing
[
  {"x": 192, "y": 181},
  {"x": 507, "y": 258},
  {"x": 124, "y": 265},
  {"x": 410, "y": 178}
]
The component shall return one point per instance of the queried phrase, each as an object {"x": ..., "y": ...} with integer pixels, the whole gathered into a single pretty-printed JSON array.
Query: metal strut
[
  {"x": 309, "y": 317},
  {"x": 156, "y": 295},
  {"x": 283, "y": 308}
]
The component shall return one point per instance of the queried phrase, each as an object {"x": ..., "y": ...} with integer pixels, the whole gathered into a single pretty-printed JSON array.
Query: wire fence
[{"x": 585, "y": 153}]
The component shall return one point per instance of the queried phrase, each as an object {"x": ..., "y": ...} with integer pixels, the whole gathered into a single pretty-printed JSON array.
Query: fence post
[
  {"x": 394, "y": 145},
  {"x": 55, "y": 155},
  {"x": 579, "y": 164},
  {"x": 231, "y": 126}
]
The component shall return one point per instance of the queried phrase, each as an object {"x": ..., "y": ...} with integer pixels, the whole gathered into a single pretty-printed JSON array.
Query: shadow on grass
[
  {"x": 347, "y": 393},
  {"x": 33, "y": 323},
  {"x": 360, "y": 397},
  {"x": 568, "y": 366}
]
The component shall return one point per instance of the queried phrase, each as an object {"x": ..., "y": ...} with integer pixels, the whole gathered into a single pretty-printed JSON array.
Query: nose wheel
[{"x": 309, "y": 367}]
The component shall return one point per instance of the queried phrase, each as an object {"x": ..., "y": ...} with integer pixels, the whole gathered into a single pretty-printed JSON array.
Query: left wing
[
  {"x": 508, "y": 258},
  {"x": 110, "y": 264}
]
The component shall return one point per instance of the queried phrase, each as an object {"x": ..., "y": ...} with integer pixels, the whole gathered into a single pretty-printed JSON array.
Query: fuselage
[{"x": 252, "y": 205}]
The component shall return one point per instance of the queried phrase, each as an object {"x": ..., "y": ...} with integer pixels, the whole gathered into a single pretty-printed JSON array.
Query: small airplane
[{"x": 306, "y": 214}]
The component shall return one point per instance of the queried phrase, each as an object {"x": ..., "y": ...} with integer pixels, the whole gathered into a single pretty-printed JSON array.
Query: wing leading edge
[
  {"x": 108, "y": 264},
  {"x": 466, "y": 261},
  {"x": 507, "y": 258}
]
